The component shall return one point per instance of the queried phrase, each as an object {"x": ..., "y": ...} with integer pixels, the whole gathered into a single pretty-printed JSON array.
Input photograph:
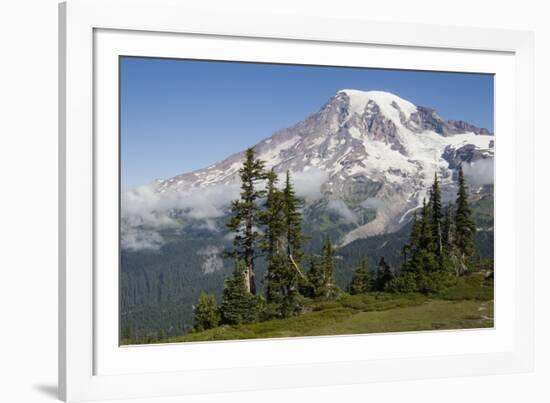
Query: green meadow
[{"x": 466, "y": 305}]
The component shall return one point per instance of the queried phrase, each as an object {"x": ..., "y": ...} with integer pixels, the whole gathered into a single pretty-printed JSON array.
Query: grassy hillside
[{"x": 467, "y": 305}]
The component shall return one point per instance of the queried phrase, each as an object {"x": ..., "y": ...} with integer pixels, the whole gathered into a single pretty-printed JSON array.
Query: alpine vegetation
[{"x": 267, "y": 223}]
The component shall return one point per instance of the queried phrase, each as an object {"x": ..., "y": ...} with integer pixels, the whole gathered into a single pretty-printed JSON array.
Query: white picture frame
[{"x": 91, "y": 364}]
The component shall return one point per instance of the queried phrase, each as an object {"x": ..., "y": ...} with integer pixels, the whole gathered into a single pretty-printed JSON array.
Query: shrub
[
  {"x": 404, "y": 283},
  {"x": 238, "y": 306},
  {"x": 206, "y": 313}
]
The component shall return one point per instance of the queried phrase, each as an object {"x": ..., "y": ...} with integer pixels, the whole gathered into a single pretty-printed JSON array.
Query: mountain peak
[
  {"x": 390, "y": 104},
  {"x": 361, "y": 149}
]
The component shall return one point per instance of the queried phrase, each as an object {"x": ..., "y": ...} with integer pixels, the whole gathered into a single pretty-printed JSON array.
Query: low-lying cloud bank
[
  {"x": 308, "y": 183},
  {"x": 152, "y": 208},
  {"x": 146, "y": 212},
  {"x": 135, "y": 239},
  {"x": 339, "y": 207},
  {"x": 373, "y": 203},
  {"x": 479, "y": 173}
]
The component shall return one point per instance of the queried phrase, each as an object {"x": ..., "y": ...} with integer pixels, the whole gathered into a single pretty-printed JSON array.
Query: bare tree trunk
[
  {"x": 296, "y": 267},
  {"x": 247, "y": 279},
  {"x": 463, "y": 266},
  {"x": 249, "y": 275},
  {"x": 249, "y": 259}
]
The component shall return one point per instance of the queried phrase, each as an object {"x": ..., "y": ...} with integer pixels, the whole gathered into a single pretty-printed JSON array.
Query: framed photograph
[{"x": 259, "y": 201}]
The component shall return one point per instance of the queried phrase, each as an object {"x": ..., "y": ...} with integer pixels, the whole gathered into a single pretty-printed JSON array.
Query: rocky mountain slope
[{"x": 363, "y": 150}]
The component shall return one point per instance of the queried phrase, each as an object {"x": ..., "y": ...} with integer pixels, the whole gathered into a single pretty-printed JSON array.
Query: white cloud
[
  {"x": 373, "y": 202},
  {"x": 342, "y": 209},
  {"x": 135, "y": 239},
  {"x": 213, "y": 262},
  {"x": 308, "y": 183},
  {"x": 146, "y": 211},
  {"x": 479, "y": 173}
]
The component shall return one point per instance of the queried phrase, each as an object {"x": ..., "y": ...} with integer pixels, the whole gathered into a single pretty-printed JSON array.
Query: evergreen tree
[
  {"x": 426, "y": 229},
  {"x": 282, "y": 221},
  {"x": 278, "y": 271},
  {"x": 294, "y": 240},
  {"x": 436, "y": 216},
  {"x": 316, "y": 280},
  {"x": 238, "y": 305},
  {"x": 405, "y": 282},
  {"x": 384, "y": 275},
  {"x": 293, "y": 221},
  {"x": 206, "y": 312},
  {"x": 465, "y": 226},
  {"x": 422, "y": 269},
  {"x": 410, "y": 247},
  {"x": 421, "y": 245},
  {"x": 272, "y": 218},
  {"x": 426, "y": 259},
  {"x": 361, "y": 281},
  {"x": 273, "y": 221},
  {"x": 449, "y": 248},
  {"x": 448, "y": 227},
  {"x": 246, "y": 216},
  {"x": 292, "y": 303}
]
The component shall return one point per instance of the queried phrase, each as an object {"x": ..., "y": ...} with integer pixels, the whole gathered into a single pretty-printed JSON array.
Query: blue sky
[{"x": 181, "y": 115}]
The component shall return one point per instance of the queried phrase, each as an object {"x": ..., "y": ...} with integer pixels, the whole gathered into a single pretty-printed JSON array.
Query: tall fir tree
[
  {"x": 272, "y": 218},
  {"x": 420, "y": 271},
  {"x": 448, "y": 226},
  {"x": 407, "y": 279},
  {"x": 293, "y": 221},
  {"x": 283, "y": 227},
  {"x": 465, "y": 227},
  {"x": 238, "y": 304},
  {"x": 448, "y": 233},
  {"x": 426, "y": 258},
  {"x": 412, "y": 245},
  {"x": 361, "y": 281},
  {"x": 273, "y": 223},
  {"x": 436, "y": 216},
  {"x": 206, "y": 312},
  {"x": 421, "y": 239},
  {"x": 426, "y": 226},
  {"x": 294, "y": 239},
  {"x": 246, "y": 216}
]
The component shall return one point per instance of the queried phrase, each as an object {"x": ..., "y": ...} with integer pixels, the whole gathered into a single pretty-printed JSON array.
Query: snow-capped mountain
[{"x": 362, "y": 150}]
